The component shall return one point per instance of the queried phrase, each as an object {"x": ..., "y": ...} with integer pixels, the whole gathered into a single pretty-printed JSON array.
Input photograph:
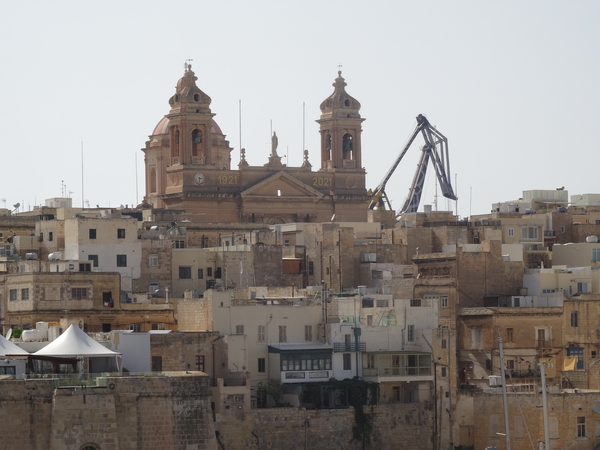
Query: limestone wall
[
  {"x": 395, "y": 426},
  {"x": 130, "y": 413}
]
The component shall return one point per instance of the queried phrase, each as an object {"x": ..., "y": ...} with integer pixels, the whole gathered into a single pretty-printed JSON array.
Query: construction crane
[{"x": 439, "y": 156}]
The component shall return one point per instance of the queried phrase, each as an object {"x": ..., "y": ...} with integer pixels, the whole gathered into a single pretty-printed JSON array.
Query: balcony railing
[
  {"x": 396, "y": 371},
  {"x": 351, "y": 347}
]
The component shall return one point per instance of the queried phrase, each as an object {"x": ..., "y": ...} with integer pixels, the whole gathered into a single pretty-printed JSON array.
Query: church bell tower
[{"x": 340, "y": 128}]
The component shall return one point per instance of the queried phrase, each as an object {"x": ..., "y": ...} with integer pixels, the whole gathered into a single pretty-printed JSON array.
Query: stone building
[{"x": 188, "y": 166}]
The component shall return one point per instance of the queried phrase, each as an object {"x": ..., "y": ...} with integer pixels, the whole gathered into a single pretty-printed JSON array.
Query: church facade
[{"x": 188, "y": 167}]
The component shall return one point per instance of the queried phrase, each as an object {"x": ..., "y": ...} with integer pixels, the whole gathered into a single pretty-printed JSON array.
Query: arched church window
[
  {"x": 346, "y": 102},
  {"x": 175, "y": 151},
  {"x": 347, "y": 146},
  {"x": 153, "y": 180},
  {"x": 196, "y": 141},
  {"x": 196, "y": 97}
]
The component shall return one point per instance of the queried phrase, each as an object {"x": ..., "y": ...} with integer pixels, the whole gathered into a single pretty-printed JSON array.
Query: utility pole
[
  {"x": 545, "y": 407},
  {"x": 504, "y": 396}
]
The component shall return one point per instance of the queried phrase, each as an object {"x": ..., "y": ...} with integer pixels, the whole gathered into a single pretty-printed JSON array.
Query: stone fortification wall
[
  {"x": 171, "y": 412},
  {"x": 395, "y": 426}
]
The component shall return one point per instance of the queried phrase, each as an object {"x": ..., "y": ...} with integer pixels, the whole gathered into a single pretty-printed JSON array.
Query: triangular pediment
[{"x": 282, "y": 183}]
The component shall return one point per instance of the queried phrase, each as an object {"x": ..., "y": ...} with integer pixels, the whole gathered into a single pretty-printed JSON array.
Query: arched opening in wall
[
  {"x": 196, "y": 141},
  {"x": 196, "y": 97},
  {"x": 152, "y": 179},
  {"x": 175, "y": 147},
  {"x": 276, "y": 220},
  {"x": 328, "y": 147},
  {"x": 347, "y": 146},
  {"x": 90, "y": 446}
]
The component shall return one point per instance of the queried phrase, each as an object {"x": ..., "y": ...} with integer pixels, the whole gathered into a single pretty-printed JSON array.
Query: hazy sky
[{"x": 514, "y": 86}]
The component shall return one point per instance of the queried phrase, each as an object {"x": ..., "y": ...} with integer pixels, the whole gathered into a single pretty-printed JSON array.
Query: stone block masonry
[
  {"x": 402, "y": 426},
  {"x": 132, "y": 413}
]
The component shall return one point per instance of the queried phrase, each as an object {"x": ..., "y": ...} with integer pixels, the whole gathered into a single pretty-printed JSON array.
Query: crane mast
[{"x": 434, "y": 150}]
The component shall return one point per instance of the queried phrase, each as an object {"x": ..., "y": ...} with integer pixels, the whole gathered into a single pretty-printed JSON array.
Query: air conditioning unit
[{"x": 495, "y": 380}]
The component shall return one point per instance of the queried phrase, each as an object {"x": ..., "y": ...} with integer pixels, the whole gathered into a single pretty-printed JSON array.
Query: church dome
[{"x": 163, "y": 127}]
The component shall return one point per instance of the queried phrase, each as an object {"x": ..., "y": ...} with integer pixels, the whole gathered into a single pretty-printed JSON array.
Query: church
[{"x": 188, "y": 167}]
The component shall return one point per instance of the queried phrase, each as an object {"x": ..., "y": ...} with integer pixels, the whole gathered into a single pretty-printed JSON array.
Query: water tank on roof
[
  {"x": 591, "y": 239},
  {"x": 54, "y": 256},
  {"x": 31, "y": 255},
  {"x": 31, "y": 336}
]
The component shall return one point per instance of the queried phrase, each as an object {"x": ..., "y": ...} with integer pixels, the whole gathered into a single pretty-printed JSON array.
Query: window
[
  {"x": 120, "y": 233},
  {"x": 596, "y": 254},
  {"x": 286, "y": 243},
  {"x": 444, "y": 372},
  {"x": 308, "y": 333},
  {"x": 367, "y": 302},
  {"x": 529, "y": 233},
  {"x": 239, "y": 329},
  {"x": 305, "y": 361},
  {"x": 200, "y": 274},
  {"x": 200, "y": 363},
  {"x": 78, "y": 293},
  {"x": 311, "y": 268},
  {"x": 580, "y": 426},
  {"x": 25, "y": 294},
  {"x": 218, "y": 272},
  {"x": 347, "y": 361},
  {"x": 574, "y": 321},
  {"x": 92, "y": 233},
  {"x": 135, "y": 327},
  {"x": 369, "y": 319},
  {"x": 444, "y": 301},
  {"x": 261, "y": 333},
  {"x": 594, "y": 354},
  {"x": 209, "y": 271},
  {"x": 157, "y": 364},
  {"x": 153, "y": 260},
  {"x": 582, "y": 287},
  {"x": 106, "y": 327},
  {"x": 415, "y": 302},
  {"x": 179, "y": 244},
  {"x": 282, "y": 333},
  {"x": 511, "y": 232},
  {"x": 13, "y": 295},
  {"x": 41, "y": 236},
  {"x": 185, "y": 272},
  {"x": 85, "y": 267},
  {"x": 383, "y": 303},
  {"x": 510, "y": 364},
  {"x": 395, "y": 393},
  {"x": 562, "y": 229},
  {"x": 510, "y": 335},
  {"x": 262, "y": 366},
  {"x": 121, "y": 260},
  {"x": 107, "y": 300},
  {"x": 411, "y": 333},
  {"x": 50, "y": 236},
  {"x": 576, "y": 352},
  {"x": 444, "y": 343},
  {"x": 94, "y": 259}
]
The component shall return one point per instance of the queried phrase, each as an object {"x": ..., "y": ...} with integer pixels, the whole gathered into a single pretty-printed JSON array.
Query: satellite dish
[
  {"x": 16, "y": 205},
  {"x": 9, "y": 334}
]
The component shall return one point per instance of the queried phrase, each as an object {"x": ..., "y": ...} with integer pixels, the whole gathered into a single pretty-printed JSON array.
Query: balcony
[
  {"x": 349, "y": 347},
  {"x": 302, "y": 376}
]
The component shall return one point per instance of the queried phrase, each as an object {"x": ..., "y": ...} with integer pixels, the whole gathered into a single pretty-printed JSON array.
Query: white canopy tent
[
  {"x": 8, "y": 348},
  {"x": 12, "y": 365},
  {"x": 74, "y": 343}
]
